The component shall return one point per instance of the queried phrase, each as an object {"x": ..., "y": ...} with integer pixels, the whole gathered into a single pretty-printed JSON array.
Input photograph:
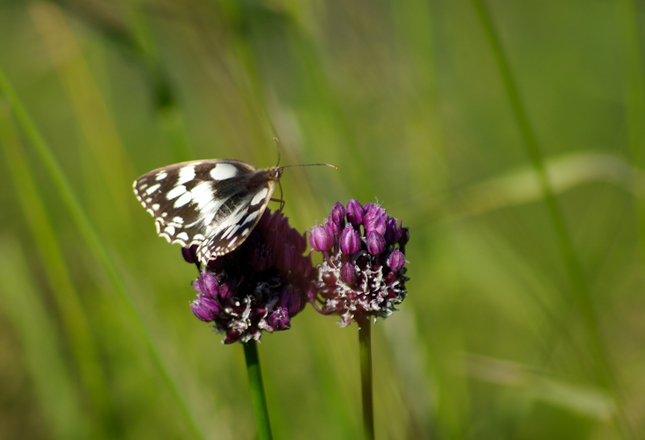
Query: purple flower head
[
  {"x": 321, "y": 239},
  {"x": 362, "y": 274},
  {"x": 259, "y": 286}
]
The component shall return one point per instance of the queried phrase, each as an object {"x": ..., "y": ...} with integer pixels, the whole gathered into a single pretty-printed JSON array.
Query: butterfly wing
[{"x": 214, "y": 204}]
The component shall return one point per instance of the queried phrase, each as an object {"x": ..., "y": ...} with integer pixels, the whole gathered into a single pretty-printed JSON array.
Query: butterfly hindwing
[{"x": 214, "y": 204}]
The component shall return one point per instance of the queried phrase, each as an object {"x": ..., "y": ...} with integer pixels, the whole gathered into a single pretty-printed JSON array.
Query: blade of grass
[
  {"x": 42, "y": 350},
  {"x": 97, "y": 248},
  {"x": 67, "y": 298},
  {"x": 580, "y": 291},
  {"x": 635, "y": 103},
  {"x": 90, "y": 108}
]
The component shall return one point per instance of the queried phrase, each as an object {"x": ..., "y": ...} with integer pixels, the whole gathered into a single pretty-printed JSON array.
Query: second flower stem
[
  {"x": 365, "y": 349},
  {"x": 257, "y": 390}
]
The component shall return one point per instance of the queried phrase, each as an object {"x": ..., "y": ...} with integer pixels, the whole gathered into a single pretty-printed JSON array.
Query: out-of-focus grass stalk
[
  {"x": 581, "y": 295},
  {"x": 634, "y": 92},
  {"x": 142, "y": 41},
  {"x": 52, "y": 263},
  {"x": 257, "y": 390},
  {"x": 41, "y": 349},
  {"x": 90, "y": 109},
  {"x": 97, "y": 248}
]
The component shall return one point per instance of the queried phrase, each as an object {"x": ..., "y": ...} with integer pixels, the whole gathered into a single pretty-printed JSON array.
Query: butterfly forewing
[{"x": 214, "y": 204}]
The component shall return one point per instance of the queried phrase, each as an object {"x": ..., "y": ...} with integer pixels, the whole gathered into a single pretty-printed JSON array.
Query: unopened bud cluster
[{"x": 363, "y": 271}]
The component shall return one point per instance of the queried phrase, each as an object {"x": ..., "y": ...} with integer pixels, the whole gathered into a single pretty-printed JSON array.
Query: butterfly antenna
[
  {"x": 277, "y": 145},
  {"x": 311, "y": 165}
]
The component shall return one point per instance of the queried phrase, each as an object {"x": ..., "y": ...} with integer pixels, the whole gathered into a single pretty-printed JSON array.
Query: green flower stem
[
  {"x": 257, "y": 390},
  {"x": 365, "y": 349}
]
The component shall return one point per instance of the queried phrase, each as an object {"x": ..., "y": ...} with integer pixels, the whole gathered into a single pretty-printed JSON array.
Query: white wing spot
[
  {"x": 251, "y": 217},
  {"x": 178, "y": 220},
  {"x": 198, "y": 237},
  {"x": 182, "y": 236},
  {"x": 170, "y": 230},
  {"x": 260, "y": 196},
  {"x": 156, "y": 207},
  {"x": 246, "y": 231},
  {"x": 186, "y": 174},
  {"x": 161, "y": 175},
  {"x": 176, "y": 192},
  {"x": 153, "y": 188},
  {"x": 231, "y": 231},
  {"x": 183, "y": 200},
  {"x": 202, "y": 194},
  {"x": 223, "y": 171}
]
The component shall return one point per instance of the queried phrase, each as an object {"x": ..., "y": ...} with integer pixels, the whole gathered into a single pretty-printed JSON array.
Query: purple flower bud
[
  {"x": 320, "y": 239},
  {"x": 227, "y": 291},
  {"x": 205, "y": 308},
  {"x": 286, "y": 259},
  {"x": 374, "y": 223},
  {"x": 396, "y": 260},
  {"x": 350, "y": 241},
  {"x": 298, "y": 240},
  {"x": 337, "y": 215},
  {"x": 393, "y": 231},
  {"x": 405, "y": 237},
  {"x": 232, "y": 336},
  {"x": 354, "y": 212},
  {"x": 261, "y": 258},
  {"x": 375, "y": 243},
  {"x": 207, "y": 284},
  {"x": 278, "y": 319},
  {"x": 348, "y": 274},
  {"x": 304, "y": 265},
  {"x": 290, "y": 300},
  {"x": 282, "y": 225},
  {"x": 272, "y": 222},
  {"x": 375, "y": 212},
  {"x": 190, "y": 254},
  {"x": 334, "y": 229}
]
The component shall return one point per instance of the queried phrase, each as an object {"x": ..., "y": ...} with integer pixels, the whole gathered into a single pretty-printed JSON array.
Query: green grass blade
[
  {"x": 97, "y": 248},
  {"x": 42, "y": 350},
  {"x": 52, "y": 262},
  {"x": 581, "y": 295}
]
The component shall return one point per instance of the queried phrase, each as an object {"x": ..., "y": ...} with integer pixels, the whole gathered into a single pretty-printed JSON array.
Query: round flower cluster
[
  {"x": 363, "y": 270},
  {"x": 259, "y": 286}
]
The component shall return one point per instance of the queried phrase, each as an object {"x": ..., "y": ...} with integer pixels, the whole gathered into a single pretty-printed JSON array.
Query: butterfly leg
[
  {"x": 280, "y": 199},
  {"x": 282, "y": 202}
]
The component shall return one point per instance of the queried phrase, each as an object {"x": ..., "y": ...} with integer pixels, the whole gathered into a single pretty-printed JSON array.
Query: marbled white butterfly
[{"x": 214, "y": 204}]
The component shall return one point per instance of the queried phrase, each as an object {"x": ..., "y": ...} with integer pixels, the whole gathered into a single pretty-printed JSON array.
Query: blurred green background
[{"x": 508, "y": 136}]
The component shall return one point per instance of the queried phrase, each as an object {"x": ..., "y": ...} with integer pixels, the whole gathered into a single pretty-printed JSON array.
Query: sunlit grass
[{"x": 508, "y": 139}]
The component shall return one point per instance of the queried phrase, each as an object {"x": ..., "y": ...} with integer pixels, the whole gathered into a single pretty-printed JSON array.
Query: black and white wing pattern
[{"x": 214, "y": 204}]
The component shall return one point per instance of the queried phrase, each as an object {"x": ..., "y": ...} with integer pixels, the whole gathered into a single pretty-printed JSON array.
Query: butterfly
[{"x": 214, "y": 204}]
